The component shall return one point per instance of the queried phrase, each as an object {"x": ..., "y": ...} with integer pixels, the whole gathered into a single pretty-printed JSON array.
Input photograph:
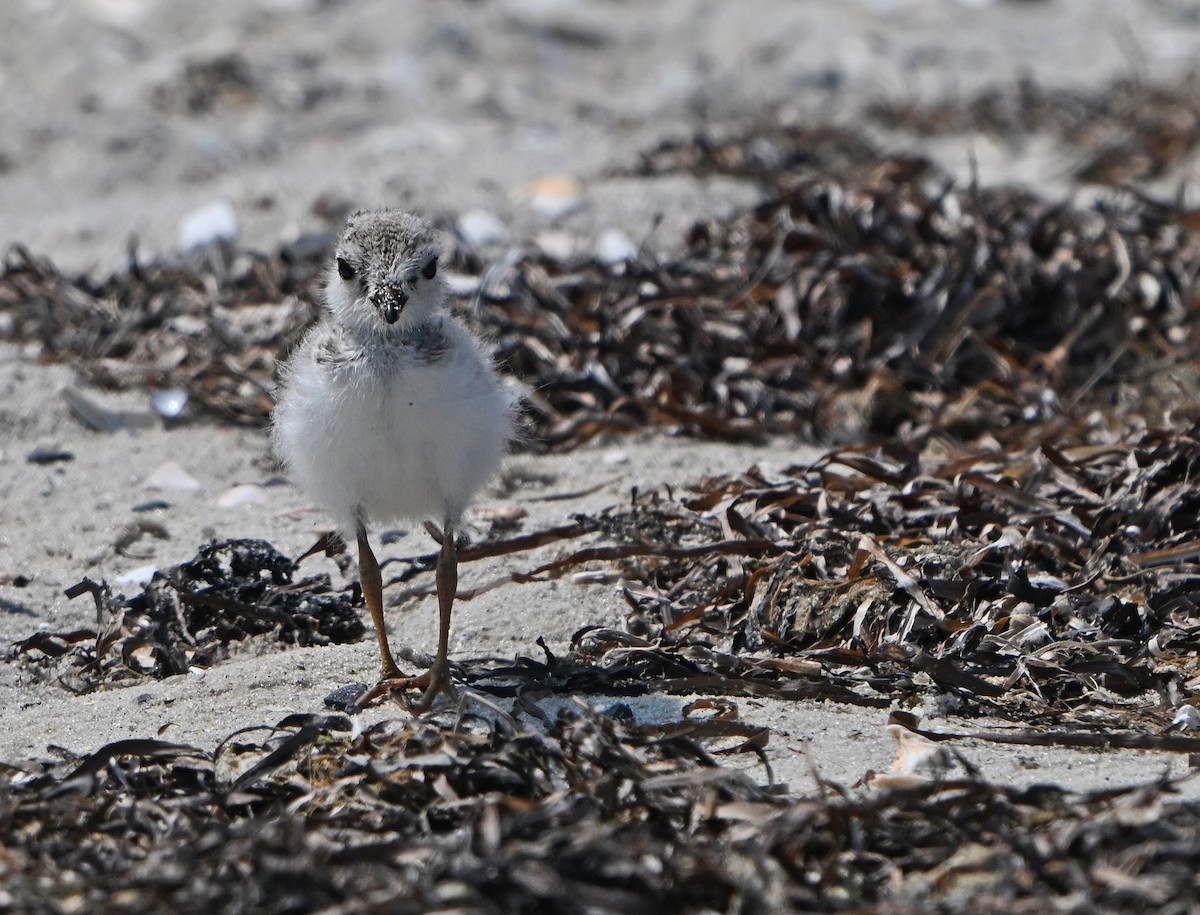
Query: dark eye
[
  {"x": 345, "y": 269},
  {"x": 429, "y": 271}
]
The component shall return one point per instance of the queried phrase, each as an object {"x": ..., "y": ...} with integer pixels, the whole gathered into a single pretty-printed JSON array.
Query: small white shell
[
  {"x": 172, "y": 476},
  {"x": 139, "y": 576},
  {"x": 169, "y": 403},
  {"x": 242, "y": 494}
]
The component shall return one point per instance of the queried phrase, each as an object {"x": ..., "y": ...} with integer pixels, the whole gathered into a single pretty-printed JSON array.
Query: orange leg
[
  {"x": 447, "y": 587},
  {"x": 372, "y": 590},
  {"x": 437, "y": 679}
]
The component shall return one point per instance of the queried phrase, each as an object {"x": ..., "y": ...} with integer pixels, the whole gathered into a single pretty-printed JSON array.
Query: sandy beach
[{"x": 525, "y": 121}]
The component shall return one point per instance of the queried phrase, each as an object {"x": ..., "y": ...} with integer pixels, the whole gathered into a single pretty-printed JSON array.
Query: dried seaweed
[
  {"x": 1025, "y": 543},
  {"x": 192, "y": 615},
  {"x": 1048, "y": 584},
  {"x": 1045, "y": 584},
  {"x": 867, "y": 296},
  {"x": 585, "y": 815},
  {"x": 1126, "y": 132},
  {"x": 211, "y": 325}
]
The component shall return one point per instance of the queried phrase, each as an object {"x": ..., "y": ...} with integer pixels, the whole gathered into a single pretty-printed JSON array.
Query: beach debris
[
  {"x": 99, "y": 418},
  {"x": 456, "y": 814},
  {"x": 866, "y": 296},
  {"x": 615, "y": 247},
  {"x": 345, "y": 698},
  {"x": 553, "y": 197},
  {"x": 195, "y": 614},
  {"x": 44, "y": 456},
  {"x": 130, "y": 535},
  {"x": 1009, "y": 528},
  {"x": 1129, "y": 131},
  {"x": 151, "y": 505},
  {"x": 558, "y": 245},
  {"x": 1186, "y": 719},
  {"x": 169, "y": 403},
  {"x": 207, "y": 225},
  {"x": 139, "y": 576},
  {"x": 918, "y": 757},
  {"x": 480, "y": 228},
  {"x": 241, "y": 495},
  {"x": 170, "y": 475}
]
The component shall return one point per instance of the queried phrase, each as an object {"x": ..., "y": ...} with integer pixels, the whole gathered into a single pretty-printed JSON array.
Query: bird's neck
[{"x": 412, "y": 331}]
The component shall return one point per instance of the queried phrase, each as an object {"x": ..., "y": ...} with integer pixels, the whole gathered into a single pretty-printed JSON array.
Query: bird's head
[{"x": 385, "y": 272}]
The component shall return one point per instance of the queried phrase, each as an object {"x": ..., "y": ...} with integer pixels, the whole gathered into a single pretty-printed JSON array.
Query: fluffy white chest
[{"x": 384, "y": 432}]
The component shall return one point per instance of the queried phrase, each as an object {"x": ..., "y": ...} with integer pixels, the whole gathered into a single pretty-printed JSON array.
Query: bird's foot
[
  {"x": 392, "y": 682},
  {"x": 390, "y": 677},
  {"x": 437, "y": 681}
]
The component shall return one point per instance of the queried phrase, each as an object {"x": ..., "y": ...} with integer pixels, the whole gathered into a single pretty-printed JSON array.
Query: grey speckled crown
[{"x": 388, "y": 233}]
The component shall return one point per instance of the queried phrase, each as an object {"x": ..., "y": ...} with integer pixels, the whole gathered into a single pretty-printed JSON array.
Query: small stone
[
  {"x": 1186, "y": 719},
  {"x": 139, "y": 576},
  {"x": 461, "y": 284},
  {"x": 169, "y": 403},
  {"x": 553, "y": 197},
  {"x": 345, "y": 698},
  {"x": 171, "y": 475},
  {"x": 210, "y": 223},
  {"x": 151, "y": 505},
  {"x": 558, "y": 246},
  {"x": 615, "y": 247},
  {"x": 44, "y": 456},
  {"x": 241, "y": 495},
  {"x": 479, "y": 228}
]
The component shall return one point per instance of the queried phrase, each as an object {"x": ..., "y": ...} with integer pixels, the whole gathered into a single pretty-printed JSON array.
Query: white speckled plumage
[
  {"x": 391, "y": 409},
  {"x": 379, "y": 421}
]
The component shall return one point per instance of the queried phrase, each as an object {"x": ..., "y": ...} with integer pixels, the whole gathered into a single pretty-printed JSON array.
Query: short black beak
[{"x": 390, "y": 301}]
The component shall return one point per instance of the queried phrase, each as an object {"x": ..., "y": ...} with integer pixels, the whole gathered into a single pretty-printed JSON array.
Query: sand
[{"x": 447, "y": 107}]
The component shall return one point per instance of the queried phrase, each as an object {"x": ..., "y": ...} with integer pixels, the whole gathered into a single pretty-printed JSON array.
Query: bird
[{"x": 390, "y": 408}]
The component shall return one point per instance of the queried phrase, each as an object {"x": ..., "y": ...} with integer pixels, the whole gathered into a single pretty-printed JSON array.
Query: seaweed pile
[
  {"x": 1131, "y": 131},
  {"x": 1010, "y": 526},
  {"x": 194, "y": 615},
  {"x": 867, "y": 297},
  {"x": 589, "y": 815}
]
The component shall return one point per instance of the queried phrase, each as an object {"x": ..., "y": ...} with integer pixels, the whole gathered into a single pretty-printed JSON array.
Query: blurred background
[{"x": 265, "y": 119}]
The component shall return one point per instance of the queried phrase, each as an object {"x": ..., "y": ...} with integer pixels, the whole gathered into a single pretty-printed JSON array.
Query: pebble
[
  {"x": 615, "y": 247},
  {"x": 212, "y": 222},
  {"x": 1186, "y": 719},
  {"x": 559, "y": 246},
  {"x": 242, "y": 494},
  {"x": 151, "y": 505},
  {"x": 169, "y": 403},
  {"x": 171, "y": 475},
  {"x": 121, "y": 14},
  {"x": 553, "y": 197},
  {"x": 461, "y": 285},
  {"x": 345, "y": 698},
  {"x": 139, "y": 576},
  {"x": 44, "y": 456},
  {"x": 479, "y": 228}
]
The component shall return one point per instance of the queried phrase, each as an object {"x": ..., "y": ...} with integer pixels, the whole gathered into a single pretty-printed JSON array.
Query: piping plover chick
[{"x": 390, "y": 409}]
